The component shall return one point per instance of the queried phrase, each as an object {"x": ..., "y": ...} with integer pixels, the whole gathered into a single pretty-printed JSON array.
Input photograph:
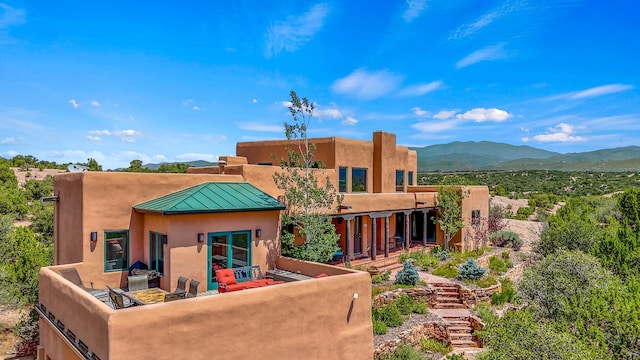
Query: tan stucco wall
[
  {"x": 477, "y": 199},
  {"x": 184, "y": 256},
  {"x": 262, "y": 151},
  {"x": 314, "y": 319}
]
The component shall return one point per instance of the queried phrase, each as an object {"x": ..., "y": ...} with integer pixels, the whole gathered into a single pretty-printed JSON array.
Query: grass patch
[
  {"x": 485, "y": 312},
  {"x": 497, "y": 265},
  {"x": 447, "y": 270},
  {"x": 485, "y": 282},
  {"x": 435, "y": 346}
]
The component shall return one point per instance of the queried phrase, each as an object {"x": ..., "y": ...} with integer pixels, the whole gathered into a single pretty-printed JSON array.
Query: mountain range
[{"x": 486, "y": 155}]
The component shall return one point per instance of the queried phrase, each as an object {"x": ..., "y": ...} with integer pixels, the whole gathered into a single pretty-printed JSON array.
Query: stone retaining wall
[
  {"x": 471, "y": 297},
  {"x": 418, "y": 294},
  {"x": 432, "y": 329}
]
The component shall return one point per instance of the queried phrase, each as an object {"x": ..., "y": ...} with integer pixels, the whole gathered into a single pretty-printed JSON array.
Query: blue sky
[{"x": 168, "y": 81}]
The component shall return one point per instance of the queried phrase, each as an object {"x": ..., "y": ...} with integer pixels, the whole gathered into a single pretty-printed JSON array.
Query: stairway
[
  {"x": 447, "y": 296},
  {"x": 460, "y": 332}
]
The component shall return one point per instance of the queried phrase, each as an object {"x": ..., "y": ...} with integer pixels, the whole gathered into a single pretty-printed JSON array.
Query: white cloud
[
  {"x": 482, "y": 114},
  {"x": 414, "y": 9},
  {"x": 331, "y": 113},
  {"x": 212, "y": 138},
  {"x": 367, "y": 85},
  {"x": 286, "y": 103},
  {"x": 196, "y": 156},
  {"x": 560, "y": 133},
  {"x": 187, "y": 102},
  {"x": 601, "y": 90},
  {"x": 294, "y": 32},
  {"x": 196, "y": 108},
  {"x": 128, "y": 136},
  {"x": 445, "y": 114},
  {"x": 9, "y": 154},
  {"x": 388, "y": 117},
  {"x": 253, "y": 126},
  {"x": 420, "y": 113},
  {"x": 350, "y": 120},
  {"x": 74, "y": 156},
  {"x": 525, "y": 139},
  {"x": 488, "y": 53},
  {"x": 95, "y": 103},
  {"x": 254, "y": 101},
  {"x": 485, "y": 20},
  {"x": 74, "y": 103},
  {"x": 10, "y": 16},
  {"x": 8, "y": 141},
  {"x": 421, "y": 89},
  {"x": 99, "y": 132},
  {"x": 94, "y": 138},
  {"x": 435, "y": 126}
]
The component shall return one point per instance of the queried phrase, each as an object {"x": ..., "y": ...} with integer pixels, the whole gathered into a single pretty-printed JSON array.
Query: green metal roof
[{"x": 212, "y": 197}]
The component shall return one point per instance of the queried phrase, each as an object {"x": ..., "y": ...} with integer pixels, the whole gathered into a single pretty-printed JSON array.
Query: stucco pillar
[
  {"x": 348, "y": 240},
  {"x": 407, "y": 230},
  {"x": 424, "y": 228},
  {"x": 386, "y": 236},
  {"x": 374, "y": 238}
]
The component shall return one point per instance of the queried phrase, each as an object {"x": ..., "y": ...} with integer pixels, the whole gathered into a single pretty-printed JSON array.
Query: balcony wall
[{"x": 316, "y": 318}]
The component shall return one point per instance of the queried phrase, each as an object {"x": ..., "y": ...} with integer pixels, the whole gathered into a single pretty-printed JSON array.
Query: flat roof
[{"x": 212, "y": 197}]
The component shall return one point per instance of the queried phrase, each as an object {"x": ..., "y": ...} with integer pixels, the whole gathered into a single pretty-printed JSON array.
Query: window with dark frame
[
  {"x": 342, "y": 179},
  {"x": 358, "y": 180},
  {"x": 156, "y": 252},
  {"x": 116, "y": 250},
  {"x": 399, "y": 180},
  {"x": 475, "y": 217},
  {"x": 410, "y": 178}
]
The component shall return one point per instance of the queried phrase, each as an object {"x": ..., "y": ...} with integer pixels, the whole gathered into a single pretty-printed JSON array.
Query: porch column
[
  {"x": 424, "y": 228},
  {"x": 407, "y": 230},
  {"x": 374, "y": 240},
  {"x": 386, "y": 236},
  {"x": 348, "y": 240}
]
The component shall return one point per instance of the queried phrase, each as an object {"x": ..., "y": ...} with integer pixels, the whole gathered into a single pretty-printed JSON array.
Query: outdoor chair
[
  {"x": 72, "y": 275},
  {"x": 174, "y": 296},
  {"x": 193, "y": 288},
  {"x": 227, "y": 282},
  {"x": 182, "y": 285},
  {"x": 138, "y": 282},
  {"x": 117, "y": 300}
]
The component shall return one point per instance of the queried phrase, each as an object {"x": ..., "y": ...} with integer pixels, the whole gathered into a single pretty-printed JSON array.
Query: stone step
[
  {"x": 459, "y": 328},
  {"x": 449, "y": 306},
  {"x": 445, "y": 299},
  {"x": 464, "y": 343},
  {"x": 449, "y": 294},
  {"x": 453, "y": 319},
  {"x": 461, "y": 336},
  {"x": 445, "y": 288}
]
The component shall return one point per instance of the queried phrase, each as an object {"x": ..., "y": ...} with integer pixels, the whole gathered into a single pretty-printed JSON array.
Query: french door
[{"x": 227, "y": 250}]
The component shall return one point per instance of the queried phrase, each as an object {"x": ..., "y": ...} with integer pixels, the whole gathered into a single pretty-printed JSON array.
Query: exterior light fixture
[
  {"x": 200, "y": 237},
  {"x": 355, "y": 295},
  {"x": 258, "y": 232},
  {"x": 345, "y": 207},
  {"x": 94, "y": 236},
  {"x": 164, "y": 239},
  {"x": 421, "y": 203}
]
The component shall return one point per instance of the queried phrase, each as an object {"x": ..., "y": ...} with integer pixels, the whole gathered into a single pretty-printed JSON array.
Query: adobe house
[{"x": 229, "y": 216}]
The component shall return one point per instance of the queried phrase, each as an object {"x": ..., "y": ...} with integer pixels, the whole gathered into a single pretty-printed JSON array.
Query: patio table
[
  {"x": 284, "y": 275},
  {"x": 147, "y": 296}
]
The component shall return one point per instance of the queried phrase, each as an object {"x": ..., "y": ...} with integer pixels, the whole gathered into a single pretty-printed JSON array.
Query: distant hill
[
  {"x": 153, "y": 166},
  {"x": 486, "y": 155}
]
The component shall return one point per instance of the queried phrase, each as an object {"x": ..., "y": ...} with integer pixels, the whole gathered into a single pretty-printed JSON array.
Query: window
[
  {"x": 399, "y": 180},
  {"x": 410, "y": 178},
  {"x": 475, "y": 217},
  {"x": 342, "y": 179},
  {"x": 156, "y": 252},
  {"x": 358, "y": 180},
  {"x": 116, "y": 250}
]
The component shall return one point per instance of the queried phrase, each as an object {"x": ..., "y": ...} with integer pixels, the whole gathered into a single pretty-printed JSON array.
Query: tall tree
[
  {"x": 308, "y": 202},
  {"x": 450, "y": 211},
  {"x": 93, "y": 165}
]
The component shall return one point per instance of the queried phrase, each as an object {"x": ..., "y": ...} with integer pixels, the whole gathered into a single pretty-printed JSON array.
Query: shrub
[
  {"x": 471, "y": 270},
  {"x": 420, "y": 307},
  {"x": 377, "y": 291},
  {"x": 485, "y": 282},
  {"x": 379, "y": 328},
  {"x": 423, "y": 259},
  {"x": 505, "y": 255},
  {"x": 376, "y": 279},
  {"x": 405, "y": 304},
  {"x": 390, "y": 315},
  {"x": 442, "y": 255},
  {"x": 505, "y": 238},
  {"x": 386, "y": 275},
  {"x": 405, "y": 352},
  {"x": 408, "y": 275},
  {"x": 459, "y": 356},
  {"x": 497, "y": 265},
  {"x": 447, "y": 270},
  {"x": 526, "y": 211},
  {"x": 506, "y": 295},
  {"x": 435, "y": 346},
  {"x": 485, "y": 312}
]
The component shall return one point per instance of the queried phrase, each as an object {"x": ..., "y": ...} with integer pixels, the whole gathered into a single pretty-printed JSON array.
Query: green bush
[
  {"x": 505, "y": 255},
  {"x": 386, "y": 275},
  {"x": 497, "y": 265},
  {"x": 405, "y": 352},
  {"x": 390, "y": 315},
  {"x": 408, "y": 275},
  {"x": 375, "y": 291},
  {"x": 526, "y": 211},
  {"x": 485, "y": 312},
  {"x": 505, "y": 295},
  {"x": 447, "y": 270},
  {"x": 459, "y": 356},
  {"x": 376, "y": 279},
  {"x": 485, "y": 282},
  {"x": 420, "y": 307},
  {"x": 471, "y": 270},
  {"x": 435, "y": 346},
  {"x": 423, "y": 259},
  {"x": 505, "y": 238},
  {"x": 379, "y": 327},
  {"x": 405, "y": 304}
]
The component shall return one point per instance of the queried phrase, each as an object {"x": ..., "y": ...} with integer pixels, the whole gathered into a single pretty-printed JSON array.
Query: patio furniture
[
  {"x": 138, "y": 282},
  {"x": 117, "y": 299},
  {"x": 285, "y": 275},
  {"x": 193, "y": 288},
  {"x": 174, "y": 296},
  {"x": 182, "y": 284},
  {"x": 256, "y": 275},
  {"x": 147, "y": 296},
  {"x": 72, "y": 275},
  {"x": 227, "y": 281}
]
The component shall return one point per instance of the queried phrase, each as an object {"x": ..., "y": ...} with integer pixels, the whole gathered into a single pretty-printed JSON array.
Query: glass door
[
  {"x": 227, "y": 250},
  {"x": 357, "y": 235}
]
